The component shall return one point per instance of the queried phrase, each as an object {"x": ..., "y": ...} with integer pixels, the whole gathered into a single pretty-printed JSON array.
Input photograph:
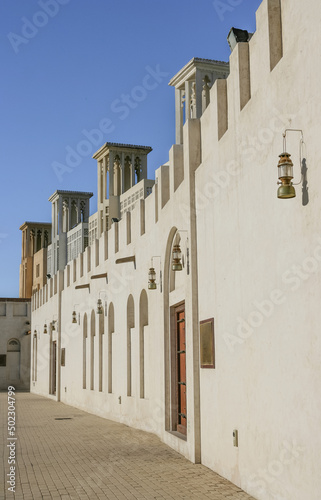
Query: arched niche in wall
[
  {"x": 111, "y": 330},
  {"x": 13, "y": 360},
  {"x": 101, "y": 331},
  {"x": 84, "y": 363},
  {"x": 92, "y": 349},
  {"x": 168, "y": 284},
  {"x": 130, "y": 325},
  {"x": 143, "y": 321}
]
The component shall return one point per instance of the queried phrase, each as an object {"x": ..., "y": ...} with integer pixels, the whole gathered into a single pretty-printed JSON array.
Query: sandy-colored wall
[{"x": 40, "y": 258}]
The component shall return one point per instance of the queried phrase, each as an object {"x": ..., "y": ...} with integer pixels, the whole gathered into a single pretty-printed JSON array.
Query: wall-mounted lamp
[
  {"x": 285, "y": 174},
  {"x": 74, "y": 315},
  {"x": 177, "y": 258},
  {"x": 152, "y": 285},
  {"x": 45, "y": 328},
  {"x": 152, "y": 279},
  {"x": 285, "y": 169},
  {"x": 100, "y": 309}
]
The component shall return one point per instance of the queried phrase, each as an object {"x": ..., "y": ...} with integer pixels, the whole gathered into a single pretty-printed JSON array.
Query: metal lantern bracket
[
  {"x": 302, "y": 143},
  {"x": 75, "y": 315},
  {"x": 99, "y": 303},
  {"x": 187, "y": 250},
  {"x": 160, "y": 270}
]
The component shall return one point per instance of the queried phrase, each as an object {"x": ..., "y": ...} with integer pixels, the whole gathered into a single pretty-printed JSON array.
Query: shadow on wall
[{"x": 305, "y": 189}]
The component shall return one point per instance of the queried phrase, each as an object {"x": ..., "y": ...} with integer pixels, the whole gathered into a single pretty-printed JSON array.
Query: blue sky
[{"x": 65, "y": 66}]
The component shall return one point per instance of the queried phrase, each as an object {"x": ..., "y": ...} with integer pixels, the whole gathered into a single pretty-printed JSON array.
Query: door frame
[{"x": 175, "y": 426}]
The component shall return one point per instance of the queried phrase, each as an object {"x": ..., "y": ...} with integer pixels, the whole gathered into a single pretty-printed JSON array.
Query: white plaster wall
[
  {"x": 147, "y": 413},
  {"x": 267, "y": 371},
  {"x": 265, "y": 383}
]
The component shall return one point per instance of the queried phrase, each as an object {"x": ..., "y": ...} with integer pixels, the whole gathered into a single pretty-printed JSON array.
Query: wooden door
[{"x": 181, "y": 369}]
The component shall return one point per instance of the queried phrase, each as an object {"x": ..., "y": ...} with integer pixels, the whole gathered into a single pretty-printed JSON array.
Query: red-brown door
[{"x": 181, "y": 370}]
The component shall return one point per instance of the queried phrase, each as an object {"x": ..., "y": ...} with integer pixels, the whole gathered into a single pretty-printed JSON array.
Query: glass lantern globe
[
  {"x": 285, "y": 174},
  {"x": 176, "y": 258},
  {"x": 99, "y": 307},
  {"x": 151, "y": 279}
]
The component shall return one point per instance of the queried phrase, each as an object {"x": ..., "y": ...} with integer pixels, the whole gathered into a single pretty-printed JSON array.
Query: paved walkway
[{"x": 88, "y": 457}]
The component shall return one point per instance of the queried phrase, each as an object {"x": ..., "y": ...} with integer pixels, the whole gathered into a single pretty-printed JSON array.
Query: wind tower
[
  {"x": 192, "y": 89},
  {"x": 70, "y": 214},
  {"x": 121, "y": 168}
]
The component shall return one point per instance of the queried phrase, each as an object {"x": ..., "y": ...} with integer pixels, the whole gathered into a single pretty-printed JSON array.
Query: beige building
[
  {"x": 195, "y": 315},
  {"x": 36, "y": 237},
  {"x": 15, "y": 316}
]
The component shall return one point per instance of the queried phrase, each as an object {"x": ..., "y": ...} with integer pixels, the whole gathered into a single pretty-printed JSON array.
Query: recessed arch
[
  {"x": 117, "y": 176},
  {"x": 172, "y": 274},
  {"x": 34, "y": 357},
  {"x": 167, "y": 342},
  {"x": 143, "y": 321},
  {"x": 127, "y": 173},
  {"x": 13, "y": 361},
  {"x": 92, "y": 349},
  {"x": 111, "y": 329},
  {"x": 130, "y": 325},
  {"x": 13, "y": 345},
  {"x": 84, "y": 350},
  {"x": 101, "y": 332}
]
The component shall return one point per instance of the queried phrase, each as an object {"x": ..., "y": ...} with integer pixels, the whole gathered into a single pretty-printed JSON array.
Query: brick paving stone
[{"x": 89, "y": 457}]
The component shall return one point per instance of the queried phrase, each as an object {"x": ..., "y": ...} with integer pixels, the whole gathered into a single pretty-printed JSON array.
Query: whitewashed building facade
[{"x": 222, "y": 359}]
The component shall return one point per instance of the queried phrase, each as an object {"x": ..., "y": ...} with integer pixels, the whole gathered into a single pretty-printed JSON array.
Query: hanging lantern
[
  {"x": 45, "y": 328},
  {"x": 152, "y": 279},
  {"x": 285, "y": 174},
  {"x": 99, "y": 307},
  {"x": 177, "y": 256},
  {"x": 74, "y": 317},
  {"x": 53, "y": 328}
]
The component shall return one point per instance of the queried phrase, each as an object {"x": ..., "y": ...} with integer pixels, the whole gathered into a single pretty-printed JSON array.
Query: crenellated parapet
[
  {"x": 130, "y": 205},
  {"x": 211, "y": 261}
]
